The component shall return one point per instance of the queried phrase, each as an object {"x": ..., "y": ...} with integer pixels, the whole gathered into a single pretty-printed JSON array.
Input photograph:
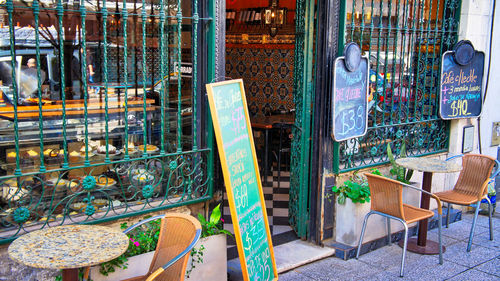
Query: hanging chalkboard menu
[
  {"x": 229, "y": 111},
  {"x": 461, "y": 82},
  {"x": 350, "y": 94}
]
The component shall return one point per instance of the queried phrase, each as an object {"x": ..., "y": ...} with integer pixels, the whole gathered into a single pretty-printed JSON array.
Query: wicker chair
[
  {"x": 387, "y": 201},
  {"x": 471, "y": 188},
  {"x": 178, "y": 235}
]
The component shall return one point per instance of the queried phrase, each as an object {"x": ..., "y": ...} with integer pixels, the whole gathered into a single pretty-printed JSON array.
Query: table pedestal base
[
  {"x": 431, "y": 247},
  {"x": 70, "y": 274}
]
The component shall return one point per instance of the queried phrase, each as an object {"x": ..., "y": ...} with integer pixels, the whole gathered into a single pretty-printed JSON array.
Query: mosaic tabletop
[
  {"x": 429, "y": 165},
  {"x": 68, "y": 246}
]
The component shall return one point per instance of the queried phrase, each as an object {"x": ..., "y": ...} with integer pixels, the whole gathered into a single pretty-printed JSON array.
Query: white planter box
[
  {"x": 214, "y": 266},
  {"x": 137, "y": 266},
  {"x": 349, "y": 222}
]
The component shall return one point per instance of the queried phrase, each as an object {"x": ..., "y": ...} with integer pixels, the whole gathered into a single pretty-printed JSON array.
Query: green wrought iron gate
[
  {"x": 303, "y": 97},
  {"x": 110, "y": 121}
]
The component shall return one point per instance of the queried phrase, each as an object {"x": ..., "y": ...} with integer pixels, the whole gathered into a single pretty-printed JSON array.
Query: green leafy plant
[
  {"x": 144, "y": 239},
  {"x": 214, "y": 225},
  {"x": 141, "y": 240},
  {"x": 399, "y": 173},
  {"x": 355, "y": 188}
]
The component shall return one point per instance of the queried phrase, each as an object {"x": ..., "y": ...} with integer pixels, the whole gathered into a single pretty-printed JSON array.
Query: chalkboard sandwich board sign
[
  {"x": 350, "y": 94},
  {"x": 461, "y": 82},
  {"x": 229, "y": 111}
]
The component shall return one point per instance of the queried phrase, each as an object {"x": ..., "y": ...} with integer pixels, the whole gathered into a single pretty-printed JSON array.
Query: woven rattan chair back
[
  {"x": 475, "y": 174},
  {"x": 386, "y": 195},
  {"x": 176, "y": 233}
]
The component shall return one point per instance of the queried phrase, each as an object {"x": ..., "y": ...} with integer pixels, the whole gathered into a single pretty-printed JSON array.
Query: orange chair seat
[
  {"x": 455, "y": 197},
  {"x": 413, "y": 214}
]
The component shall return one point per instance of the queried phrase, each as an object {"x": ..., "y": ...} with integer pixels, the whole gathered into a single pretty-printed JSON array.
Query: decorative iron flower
[
  {"x": 89, "y": 183},
  {"x": 173, "y": 165},
  {"x": 147, "y": 191},
  {"x": 89, "y": 210},
  {"x": 21, "y": 215}
]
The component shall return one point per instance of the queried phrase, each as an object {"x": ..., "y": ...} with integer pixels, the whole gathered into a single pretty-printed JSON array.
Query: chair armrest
[
  {"x": 142, "y": 222},
  {"x": 453, "y": 157},
  {"x": 153, "y": 275},
  {"x": 176, "y": 258},
  {"x": 440, "y": 208},
  {"x": 497, "y": 171}
]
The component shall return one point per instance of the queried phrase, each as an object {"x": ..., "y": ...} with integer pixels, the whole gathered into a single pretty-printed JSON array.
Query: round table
[
  {"x": 429, "y": 166},
  {"x": 68, "y": 247}
]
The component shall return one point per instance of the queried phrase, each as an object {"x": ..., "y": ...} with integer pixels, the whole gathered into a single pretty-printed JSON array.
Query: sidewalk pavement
[{"x": 481, "y": 263}]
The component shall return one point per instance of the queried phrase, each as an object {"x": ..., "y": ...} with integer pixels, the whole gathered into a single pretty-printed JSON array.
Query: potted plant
[
  {"x": 349, "y": 214},
  {"x": 355, "y": 188},
  {"x": 141, "y": 249},
  {"x": 208, "y": 258}
]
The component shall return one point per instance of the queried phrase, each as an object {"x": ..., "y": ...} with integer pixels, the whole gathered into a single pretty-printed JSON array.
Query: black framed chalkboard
[
  {"x": 229, "y": 111},
  {"x": 461, "y": 87},
  {"x": 350, "y": 100}
]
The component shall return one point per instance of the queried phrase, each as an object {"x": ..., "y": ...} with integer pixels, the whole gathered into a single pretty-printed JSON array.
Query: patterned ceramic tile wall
[{"x": 267, "y": 73}]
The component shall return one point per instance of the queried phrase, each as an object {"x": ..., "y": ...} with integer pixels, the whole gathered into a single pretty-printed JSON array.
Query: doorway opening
[{"x": 261, "y": 48}]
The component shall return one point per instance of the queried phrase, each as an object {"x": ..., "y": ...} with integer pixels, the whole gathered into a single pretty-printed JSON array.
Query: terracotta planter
[{"x": 214, "y": 266}]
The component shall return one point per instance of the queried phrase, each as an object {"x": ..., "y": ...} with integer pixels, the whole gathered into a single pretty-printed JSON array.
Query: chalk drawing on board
[
  {"x": 350, "y": 100},
  {"x": 461, "y": 92},
  {"x": 233, "y": 133}
]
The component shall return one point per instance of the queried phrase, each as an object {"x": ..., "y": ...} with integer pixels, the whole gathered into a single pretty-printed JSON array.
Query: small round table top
[
  {"x": 432, "y": 165},
  {"x": 68, "y": 246}
]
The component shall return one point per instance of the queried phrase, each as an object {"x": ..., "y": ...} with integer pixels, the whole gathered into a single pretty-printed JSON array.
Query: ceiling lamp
[{"x": 274, "y": 17}]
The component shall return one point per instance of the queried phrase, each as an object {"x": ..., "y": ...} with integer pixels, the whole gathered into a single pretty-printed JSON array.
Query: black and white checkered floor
[{"x": 277, "y": 211}]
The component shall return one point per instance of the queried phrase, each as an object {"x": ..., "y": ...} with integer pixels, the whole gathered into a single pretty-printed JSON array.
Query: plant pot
[
  {"x": 136, "y": 266},
  {"x": 214, "y": 266},
  {"x": 349, "y": 222}
]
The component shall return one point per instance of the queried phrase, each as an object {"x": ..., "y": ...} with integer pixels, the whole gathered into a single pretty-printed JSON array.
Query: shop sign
[
  {"x": 461, "y": 82},
  {"x": 233, "y": 132},
  {"x": 350, "y": 94}
]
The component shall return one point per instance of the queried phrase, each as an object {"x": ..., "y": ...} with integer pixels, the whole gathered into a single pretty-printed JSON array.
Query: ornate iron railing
[
  {"x": 404, "y": 40},
  {"x": 107, "y": 124}
]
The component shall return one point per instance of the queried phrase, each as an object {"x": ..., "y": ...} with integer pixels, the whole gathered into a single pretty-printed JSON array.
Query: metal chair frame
[
  {"x": 478, "y": 203},
  {"x": 405, "y": 225}
]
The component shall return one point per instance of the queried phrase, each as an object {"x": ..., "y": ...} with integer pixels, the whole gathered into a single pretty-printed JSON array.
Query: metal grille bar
[
  {"x": 82, "y": 140},
  {"x": 404, "y": 40}
]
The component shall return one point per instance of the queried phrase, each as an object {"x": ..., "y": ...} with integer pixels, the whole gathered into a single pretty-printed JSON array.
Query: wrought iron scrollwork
[{"x": 49, "y": 199}]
